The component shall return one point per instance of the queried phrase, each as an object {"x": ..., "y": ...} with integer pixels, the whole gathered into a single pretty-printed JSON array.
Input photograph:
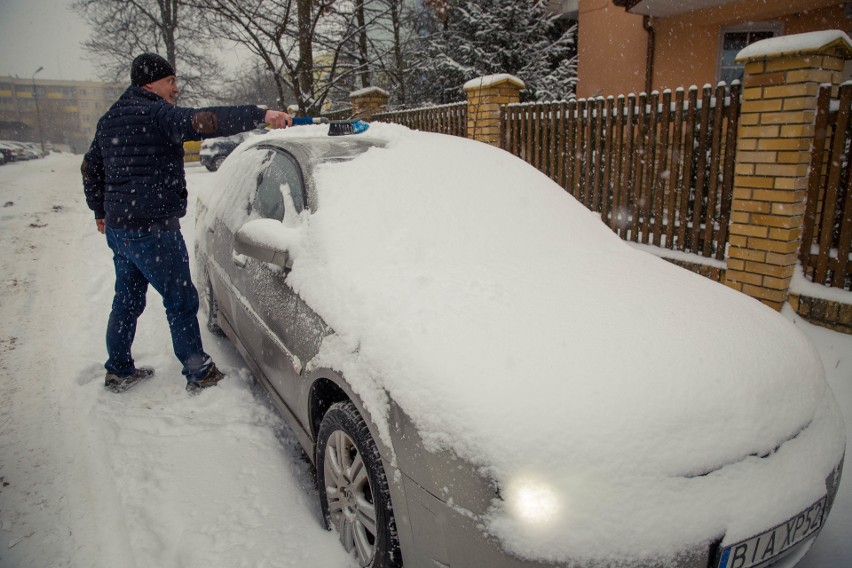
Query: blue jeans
[{"x": 160, "y": 259}]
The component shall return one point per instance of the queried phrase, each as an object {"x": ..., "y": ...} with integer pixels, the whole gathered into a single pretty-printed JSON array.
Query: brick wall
[
  {"x": 485, "y": 96},
  {"x": 775, "y": 134}
]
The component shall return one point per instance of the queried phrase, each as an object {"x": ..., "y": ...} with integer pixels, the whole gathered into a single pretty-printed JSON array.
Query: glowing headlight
[{"x": 532, "y": 501}]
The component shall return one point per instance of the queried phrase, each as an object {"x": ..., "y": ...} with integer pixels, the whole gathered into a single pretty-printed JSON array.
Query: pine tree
[{"x": 471, "y": 38}]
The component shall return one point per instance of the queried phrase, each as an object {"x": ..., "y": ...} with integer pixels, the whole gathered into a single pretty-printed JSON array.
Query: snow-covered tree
[
  {"x": 380, "y": 49},
  {"x": 253, "y": 83},
  {"x": 122, "y": 29},
  {"x": 470, "y": 38},
  {"x": 317, "y": 51}
]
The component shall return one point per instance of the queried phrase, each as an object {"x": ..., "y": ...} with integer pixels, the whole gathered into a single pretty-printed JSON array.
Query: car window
[
  {"x": 279, "y": 186},
  {"x": 260, "y": 182},
  {"x": 234, "y": 198}
]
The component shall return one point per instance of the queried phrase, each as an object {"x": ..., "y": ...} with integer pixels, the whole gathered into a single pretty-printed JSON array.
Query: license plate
[{"x": 763, "y": 549}]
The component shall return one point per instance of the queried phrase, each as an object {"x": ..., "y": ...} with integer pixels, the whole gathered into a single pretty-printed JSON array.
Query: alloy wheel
[{"x": 350, "y": 498}]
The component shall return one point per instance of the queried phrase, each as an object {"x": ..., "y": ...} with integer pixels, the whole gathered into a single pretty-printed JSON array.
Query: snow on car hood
[{"x": 516, "y": 329}]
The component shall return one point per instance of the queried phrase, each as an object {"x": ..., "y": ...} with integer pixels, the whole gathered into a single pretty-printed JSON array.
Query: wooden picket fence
[
  {"x": 339, "y": 114},
  {"x": 659, "y": 169},
  {"x": 827, "y": 232},
  {"x": 443, "y": 119}
]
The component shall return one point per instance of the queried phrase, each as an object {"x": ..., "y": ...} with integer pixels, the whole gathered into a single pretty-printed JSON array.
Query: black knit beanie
[{"x": 149, "y": 67}]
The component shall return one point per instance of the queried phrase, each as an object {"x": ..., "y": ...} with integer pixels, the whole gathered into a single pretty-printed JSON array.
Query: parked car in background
[
  {"x": 27, "y": 152},
  {"x": 2, "y": 158},
  {"x": 35, "y": 148},
  {"x": 12, "y": 152},
  {"x": 484, "y": 374},
  {"x": 214, "y": 150}
]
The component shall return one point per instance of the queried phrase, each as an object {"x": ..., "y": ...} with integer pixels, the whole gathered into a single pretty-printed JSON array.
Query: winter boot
[
  {"x": 210, "y": 379},
  {"x": 116, "y": 383}
]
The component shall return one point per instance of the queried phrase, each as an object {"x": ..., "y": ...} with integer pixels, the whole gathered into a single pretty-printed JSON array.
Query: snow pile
[{"x": 456, "y": 273}]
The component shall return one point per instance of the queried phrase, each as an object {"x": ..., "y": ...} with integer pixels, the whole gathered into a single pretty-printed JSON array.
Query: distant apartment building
[{"x": 63, "y": 114}]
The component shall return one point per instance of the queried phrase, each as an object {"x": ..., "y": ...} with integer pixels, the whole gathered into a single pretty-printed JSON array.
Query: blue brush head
[{"x": 347, "y": 127}]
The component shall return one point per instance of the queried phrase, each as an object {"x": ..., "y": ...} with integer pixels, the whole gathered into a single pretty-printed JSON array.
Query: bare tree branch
[{"x": 122, "y": 29}]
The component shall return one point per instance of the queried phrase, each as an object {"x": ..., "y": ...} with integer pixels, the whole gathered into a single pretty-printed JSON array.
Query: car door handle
[{"x": 239, "y": 259}]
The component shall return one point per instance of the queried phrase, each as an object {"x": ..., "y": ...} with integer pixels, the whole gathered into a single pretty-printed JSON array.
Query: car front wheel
[{"x": 353, "y": 488}]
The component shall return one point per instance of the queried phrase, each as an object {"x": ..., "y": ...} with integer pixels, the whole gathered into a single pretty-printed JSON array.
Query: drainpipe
[{"x": 649, "y": 58}]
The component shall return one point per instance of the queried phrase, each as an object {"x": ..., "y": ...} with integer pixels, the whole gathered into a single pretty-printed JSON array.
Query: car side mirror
[{"x": 260, "y": 239}]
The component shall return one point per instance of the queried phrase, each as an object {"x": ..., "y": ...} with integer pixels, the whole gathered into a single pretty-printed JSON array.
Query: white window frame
[{"x": 776, "y": 27}]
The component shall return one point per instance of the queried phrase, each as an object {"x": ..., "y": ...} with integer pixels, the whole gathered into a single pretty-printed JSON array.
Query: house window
[{"x": 735, "y": 40}]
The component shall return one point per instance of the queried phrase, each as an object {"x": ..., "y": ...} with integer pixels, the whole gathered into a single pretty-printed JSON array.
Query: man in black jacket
[{"x": 134, "y": 182}]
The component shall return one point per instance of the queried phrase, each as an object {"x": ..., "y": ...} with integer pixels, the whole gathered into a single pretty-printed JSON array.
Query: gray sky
[
  {"x": 43, "y": 33},
  {"x": 47, "y": 33}
]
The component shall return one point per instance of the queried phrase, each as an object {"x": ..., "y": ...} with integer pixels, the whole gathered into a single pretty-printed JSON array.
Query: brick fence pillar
[
  {"x": 485, "y": 96},
  {"x": 367, "y": 102},
  {"x": 776, "y": 130}
]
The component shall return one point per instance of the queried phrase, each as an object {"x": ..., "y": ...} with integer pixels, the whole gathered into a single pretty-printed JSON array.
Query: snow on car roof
[{"x": 488, "y": 304}]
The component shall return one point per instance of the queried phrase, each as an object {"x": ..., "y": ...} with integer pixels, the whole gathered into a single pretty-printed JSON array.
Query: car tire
[
  {"x": 217, "y": 163},
  {"x": 353, "y": 488}
]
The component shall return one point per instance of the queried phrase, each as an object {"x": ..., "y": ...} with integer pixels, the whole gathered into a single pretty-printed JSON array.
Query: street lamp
[{"x": 38, "y": 113}]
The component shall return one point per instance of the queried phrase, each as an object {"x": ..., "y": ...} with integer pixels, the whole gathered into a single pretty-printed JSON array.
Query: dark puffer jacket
[{"x": 133, "y": 173}]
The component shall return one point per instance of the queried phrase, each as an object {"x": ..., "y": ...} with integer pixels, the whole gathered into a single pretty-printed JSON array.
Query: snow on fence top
[
  {"x": 491, "y": 80},
  {"x": 797, "y": 44},
  {"x": 425, "y": 108},
  {"x": 591, "y": 110}
]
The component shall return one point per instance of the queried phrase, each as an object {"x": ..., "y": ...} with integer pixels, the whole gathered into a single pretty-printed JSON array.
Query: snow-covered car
[
  {"x": 214, "y": 150},
  {"x": 34, "y": 148},
  {"x": 485, "y": 375},
  {"x": 11, "y": 152},
  {"x": 24, "y": 151}
]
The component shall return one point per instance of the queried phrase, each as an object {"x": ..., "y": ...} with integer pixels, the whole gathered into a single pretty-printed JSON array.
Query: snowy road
[
  {"x": 149, "y": 478},
  {"x": 153, "y": 477}
]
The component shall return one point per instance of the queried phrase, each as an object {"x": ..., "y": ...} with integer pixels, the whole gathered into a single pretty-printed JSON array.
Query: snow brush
[
  {"x": 308, "y": 120},
  {"x": 335, "y": 127},
  {"x": 346, "y": 127}
]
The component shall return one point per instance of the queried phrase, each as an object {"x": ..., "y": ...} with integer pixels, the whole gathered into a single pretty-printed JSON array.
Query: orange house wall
[
  {"x": 614, "y": 43},
  {"x": 611, "y": 47}
]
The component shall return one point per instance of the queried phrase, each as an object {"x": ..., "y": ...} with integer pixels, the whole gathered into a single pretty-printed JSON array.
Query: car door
[{"x": 277, "y": 328}]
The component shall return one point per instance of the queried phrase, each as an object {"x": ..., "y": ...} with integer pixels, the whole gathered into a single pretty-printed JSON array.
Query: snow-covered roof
[
  {"x": 798, "y": 44},
  {"x": 663, "y": 8},
  {"x": 491, "y": 80}
]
